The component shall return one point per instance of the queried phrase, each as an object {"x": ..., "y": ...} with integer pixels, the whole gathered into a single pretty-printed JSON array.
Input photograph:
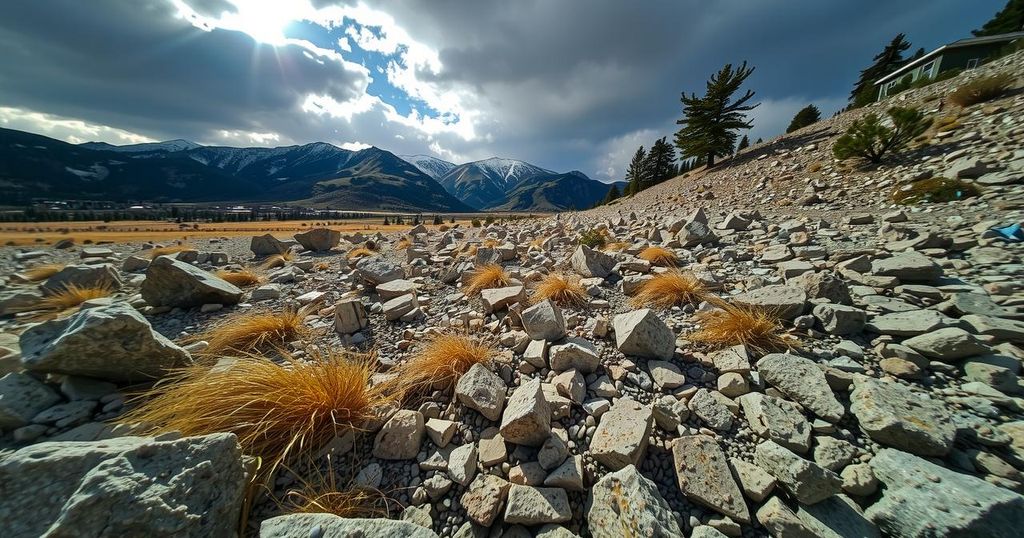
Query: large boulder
[
  {"x": 588, "y": 262},
  {"x": 111, "y": 342},
  {"x": 642, "y": 334},
  {"x": 104, "y": 275},
  {"x": 170, "y": 282},
  {"x": 924, "y": 499},
  {"x": 267, "y": 245},
  {"x": 127, "y": 486},
  {"x": 625, "y": 503},
  {"x": 544, "y": 321},
  {"x": 893, "y": 415},
  {"x": 319, "y": 239},
  {"x": 332, "y": 526}
]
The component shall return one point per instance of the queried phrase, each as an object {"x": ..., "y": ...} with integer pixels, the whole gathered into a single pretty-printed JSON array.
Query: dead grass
[
  {"x": 564, "y": 290},
  {"x": 40, "y": 273},
  {"x": 354, "y": 501},
  {"x": 487, "y": 276},
  {"x": 669, "y": 289},
  {"x": 732, "y": 325},
  {"x": 321, "y": 266},
  {"x": 615, "y": 246},
  {"x": 490, "y": 243},
  {"x": 442, "y": 361},
  {"x": 403, "y": 243},
  {"x": 659, "y": 256},
  {"x": 277, "y": 260},
  {"x": 252, "y": 331},
  {"x": 468, "y": 251},
  {"x": 68, "y": 298},
  {"x": 360, "y": 252},
  {"x": 278, "y": 412},
  {"x": 156, "y": 252},
  {"x": 242, "y": 277},
  {"x": 981, "y": 89}
]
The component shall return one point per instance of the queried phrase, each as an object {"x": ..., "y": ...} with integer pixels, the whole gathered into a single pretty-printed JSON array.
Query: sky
[{"x": 566, "y": 85}]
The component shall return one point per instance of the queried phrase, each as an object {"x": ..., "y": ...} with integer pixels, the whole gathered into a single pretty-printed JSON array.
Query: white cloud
[
  {"x": 773, "y": 115},
  {"x": 354, "y": 146},
  {"x": 614, "y": 154},
  {"x": 70, "y": 130}
]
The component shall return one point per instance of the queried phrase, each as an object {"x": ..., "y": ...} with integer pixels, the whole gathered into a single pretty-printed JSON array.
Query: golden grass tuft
[
  {"x": 321, "y": 495},
  {"x": 669, "y": 289},
  {"x": 251, "y": 331},
  {"x": 321, "y": 266},
  {"x": 403, "y": 243},
  {"x": 278, "y": 412},
  {"x": 490, "y": 243},
  {"x": 662, "y": 257},
  {"x": 615, "y": 246},
  {"x": 360, "y": 252},
  {"x": 156, "y": 252},
  {"x": 732, "y": 325},
  {"x": 277, "y": 260},
  {"x": 487, "y": 276},
  {"x": 564, "y": 290},
  {"x": 468, "y": 251},
  {"x": 242, "y": 277},
  {"x": 68, "y": 298},
  {"x": 41, "y": 272},
  {"x": 442, "y": 361}
]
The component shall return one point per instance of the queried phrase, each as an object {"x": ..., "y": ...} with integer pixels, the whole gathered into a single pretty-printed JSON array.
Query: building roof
[{"x": 968, "y": 42}]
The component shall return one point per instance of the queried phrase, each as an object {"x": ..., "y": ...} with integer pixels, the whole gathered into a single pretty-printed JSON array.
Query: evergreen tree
[
  {"x": 759, "y": 141},
  {"x": 660, "y": 163},
  {"x": 807, "y": 115},
  {"x": 1009, "y": 19},
  {"x": 613, "y": 193},
  {"x": 636, "y": 173},
  {"x": 744, "y": 144},
  {"x": 887, "y": 61},
  {"x": 710, "y": 122}
]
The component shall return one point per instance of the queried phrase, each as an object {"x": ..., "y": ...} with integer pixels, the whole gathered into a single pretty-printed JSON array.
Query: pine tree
[
  {"x": 887, "y": 61},
  {"x": 660, "y": 163},
  {"x": 613, "y": 193},
  {"x": 710, "y": 122},
  {"x": 636, "y": 173},
  {"x": 1009, "y": 19},
  {"x": 744, "y": 144},
  {"x": 807, "y": 115}
]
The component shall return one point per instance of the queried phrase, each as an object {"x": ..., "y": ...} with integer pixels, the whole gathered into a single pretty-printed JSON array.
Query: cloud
[{"x": 68, "y": 129}]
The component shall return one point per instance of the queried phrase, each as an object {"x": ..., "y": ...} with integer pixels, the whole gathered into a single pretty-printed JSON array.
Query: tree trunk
[{"x": 711, "y": 160}]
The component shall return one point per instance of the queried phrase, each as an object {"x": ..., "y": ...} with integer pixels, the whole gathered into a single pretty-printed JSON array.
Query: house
[{"x": 963, "y": 54}]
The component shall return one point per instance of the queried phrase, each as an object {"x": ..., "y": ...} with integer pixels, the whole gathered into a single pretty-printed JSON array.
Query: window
[
  {"x": 972, "y": 63},
  {"x": 926, "y": 71}
]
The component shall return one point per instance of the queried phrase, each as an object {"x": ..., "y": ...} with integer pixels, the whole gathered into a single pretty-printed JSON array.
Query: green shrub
[
  {"x": 868, "y": 138},
  {"x": 981, "y": 89},
  {"x": 489, "y": 220},
  {"x": 592, "y": 239},
  {"x": 475, "y": 223},
  {"x": 936, "y": 189}
]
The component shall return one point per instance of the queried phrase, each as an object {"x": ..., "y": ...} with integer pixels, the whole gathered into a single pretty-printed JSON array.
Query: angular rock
[
  {"x": 757, "y": 484},
  {"x": 626, "y": 503},
  {"x": 947, "y": 344},
  {"x": 319, "y": 239},
  {"x": 375, "y": 271},
  {"x": 576, "y": 353},
  {"x": 695, "y": 232},
  {"x": 711, "y": 410},
  {"x": 568, "y": 475},
  {"x": 495, "y": 299},
  {"x": 112, "y": 342},
  {"x": 350, "y": 316},
  {"x": 401, "y": 436},
  {"x": 395, "y": 288},
  {"x": 642, "y": 334},
  {"x": 893, "y": 415},
  {"x": 485, "y": 498},
  {"x": 908, "y": 267},
  {"x": 837, "y": 517},
  {"x": 731, "y": 359},
  {"x": 267, "y": 245},
  {"x": 399, "y": 306},
  {"x": 909, "y": 323},
  {"x": 481, "y": 389},
  {"x": 840, "y": 319},
  {"x": 527, "y": 417},
  {"x": 823, "y": 285},
  {"x": 803, "y": 381},
  {"x": 781, "y": 522},
  {"x": 777, "y": 419},
  {"x": 330, "y": 526},
  {"x": 21, "y": 398},
  {"x": 170, "y": 282},
  {"x": 786, "y": 302},
  {"x": 805, "y": 480},
  {"x": 666, "y": 375},
  {"x": 543, "y": 321},
  {"x": 104, "y": 275},
  {"x": 704, "y": 476},
  {"x": 622, "y": 435},
  {"x": 535, "y": 506},
  {"x": 588, "y": 262}
]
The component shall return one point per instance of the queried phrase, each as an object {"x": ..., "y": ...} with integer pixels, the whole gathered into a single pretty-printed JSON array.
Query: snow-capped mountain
[
  {"x": 431, "y": 166},
  {"x": 166, "y": 146},
  {"x": 483, "y": 183}
]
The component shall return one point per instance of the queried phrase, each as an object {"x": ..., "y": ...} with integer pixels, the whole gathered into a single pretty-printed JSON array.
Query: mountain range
[{"x": 318, "y": 174}]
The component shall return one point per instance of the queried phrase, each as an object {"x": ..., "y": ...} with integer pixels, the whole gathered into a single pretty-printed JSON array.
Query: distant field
[{"x": 47, "y": 233}]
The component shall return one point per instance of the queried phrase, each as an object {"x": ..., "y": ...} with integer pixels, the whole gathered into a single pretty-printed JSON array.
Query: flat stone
[
  {"x": 536, "y": 506},
  {"x": 625, "y": 499},
  {"x": 731, "y": 359},
  {"x": 622, "y": 435},
  {"x": 908, "y": 323},
  {"x": 710, "y": 410},
  {"x": 777, "y": 419},
  {"x": 704, "y": 476},
  {"x": 837, "y": 517},
  {"x": 908, "y": 267},
  {"x": 840, "y": 319},
  {"x": 22, "y": 397},
  {"x": 803, "y": 381},
  {"x": 779, "y": 520},
  {"x": 785, "y": 302},
  {"x": 319, "y": 239},
  {"x": 174, "y": 283},
  {"x": 805, "y": 480},
  {"x": 575, "y": 354},
  {"x": 330, "y": 525},
  {"x": 947, "y": 344},
  {"x": 484, "y": 498},
  {"x": 665, "y": 374},
  {"x": 495, "y": 299},
  {"x": 894, "y": 416},
  {"x": 527, "y": 417},
  {"x": 756, "y": 483},
  {"x": 395, "y": 288}
]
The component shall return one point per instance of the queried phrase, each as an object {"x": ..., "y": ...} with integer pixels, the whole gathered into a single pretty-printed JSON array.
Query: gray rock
[
  {"x": 1007, "y": 330},
  {"x": 21, "y": 398},
  {"x": 113, "y": 342},
  {"x": 840, "y": 319},
  {"x": 266, "y": 292},
  {"x": 803, "y": 381},
  {"x": 837, "y": 517},
  {"x": 527, "y": 417},
  {"x": 998, "y": 371},
  {"x": 731, "y": 359},
  {"x": 374, "y": 271},
  {"x": 777, "y": 419},
  {"x": 666, "y": 375},
  {"x": 576, "y": 353},
  {"x": 757, "y": 484},
  {"x": 711, "y": 410},
  {"x": 568, "y": 475},
  {"x": 395, "y": 288},
  {"x": 128, "y": 486},
  {"x": 104, "y": 275},
  {"x": 543, "y": 321},
  {"x": 480, "y": 389},
  {"x": 535, "y": 506},
  {"x": 495, "y": 299},
  {"x": 267, "y": 245},
  {"x": 350, "y": 316},
  {"x": 893, "y": 415},
  {"x": 833, "y": 454},
  {"x": 319, "y": 239},
  {"x": 622, "y": 435},
  {"x": 642, "y": 334},
  {"x": 704, "y": 476},
  {"x": 786, "y": 302},
  {"x": 588, "y": 262},
  {"x": 484, "y": 498},
  {"x": 908, "y": 267},
  {"x": 462, "y": 464},
  {"x": 401, "y": 436},
  {"x": 695, "y": 232},
  {"x": 909, "y": 323},
  {"x": 14, "y": 301},
  {"x": 170, "y": 282},
  {"x": 626, "y": 503},
  {"x": 947, "y": 344},
  {"x": 823, "y": 285},
  {"x": 332, "y": 526},
  {"x": 805, "y": 480},
  {"x": 924, "y": 499},
  {"x": 859, "y": 480},
  {"x": 781, "y": 522},
  {"x": 399, "y": 306}
]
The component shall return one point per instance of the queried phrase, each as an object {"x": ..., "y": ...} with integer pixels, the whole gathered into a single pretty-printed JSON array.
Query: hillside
[{"x": 553, "y": 192}]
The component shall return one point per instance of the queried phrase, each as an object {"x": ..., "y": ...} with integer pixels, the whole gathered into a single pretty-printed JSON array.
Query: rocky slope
[{"x": 896, "y": 410}]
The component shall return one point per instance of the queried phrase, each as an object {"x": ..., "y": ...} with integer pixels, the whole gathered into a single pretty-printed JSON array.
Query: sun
[{"x": 264, "y": 20}]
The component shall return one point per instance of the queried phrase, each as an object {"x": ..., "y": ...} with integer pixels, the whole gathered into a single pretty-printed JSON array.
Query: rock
[
  {"x": 571, "y": 384},
  {"x": 666, "y": 375},
  {"x": 704, "y": 476},
  {"x": 399, "y": 306},
  {"x": 840, "y": 319},
  {"x": 803, "y": 381},
  {"x": 576, "y": 353},
  {"x": 785, "y": 302},
  {"x": 527, "y": 417},
  {"x": 568, "y": 475},
  {"x": 374, "y": 271},
  {"x": 319, "y": 239},
  {"x": 554, "y": 450},
  {"x": 535, "y": 506},
  {"x": 350, "y": 316},
  {"x": 823, "y": 285},
  {"x": 462, "y": 464},
  {"x": 495, "y": 299},
  {"x": 711, "y": 410},
  {"x": 543, "y": 321},
  {"x": 128, "y": 486},
  {"x": 113, "y": 342},
  {"x": 924, "y": 499},
  {"x": 134, "y": 263},
  {"x": 731, "y": 359},
  {"x": 622, "y": 435},
  {"x": 21, "y": 398},
  {"x": 440, "y": 431},
  {"x": 332, "y": 526},
  {"x": 908, "y": 267},
  {"x": 266, "y": 292},
  {"x": 267, "y": 245},
  {"x": 480, "y": 389},
  {"x": 401, "y": 436},
  {"x": 626, "y": 503},
  {"x": 170, "y": 282},
  {"x": 395, "y": 288},
  {"x": 781, "y": 522},
  {"x": 998, "y": 371},
  {"x": 732, "y": 385},
  {"x": 777, "y": 419},
  {"x": 909, "y": 323},
  {"x": 859, "y": 480},
  {"x": 695, "y": 232},
  {"x": 756, "y": 483},
  {"x": 1000, "y": 328},
  {"x": 947, "y": 344},
  {"x": 14, "y": 301},
  {"x": 642, "y": 334},
  {"x": 833, "y": 454},
  {"x": 104, "y": 275},
  {"x": 893, "y": 415},
  {"x": 837, "y": 517},
  {"x": 588, "y": 262},
  {"x": 485, "y": 498},
  {"x": 805, "y": 480}
]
